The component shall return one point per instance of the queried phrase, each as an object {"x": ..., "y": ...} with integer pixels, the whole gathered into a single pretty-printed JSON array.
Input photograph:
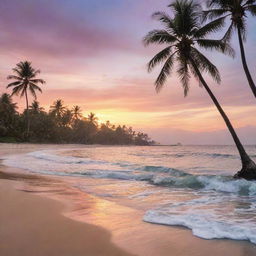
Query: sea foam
[
  {"x": 206, "y": 225},
  {"x": 214, "y": 206}
]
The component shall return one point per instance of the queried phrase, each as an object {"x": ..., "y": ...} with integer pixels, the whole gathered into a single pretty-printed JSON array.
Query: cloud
[
  {"x": 90, "y": 54},
  {"x": 44, "y": 29}
]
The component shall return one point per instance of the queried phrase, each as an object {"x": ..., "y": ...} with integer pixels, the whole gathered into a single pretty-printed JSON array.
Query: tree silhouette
[
  {"x": 25, "y": 80},
  {"x": 184, "y": 34}
]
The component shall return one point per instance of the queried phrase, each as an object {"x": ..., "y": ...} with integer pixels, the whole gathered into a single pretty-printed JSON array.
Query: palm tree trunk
[
  {"x": 27, "y": 115},
  {"x": 248, "y": 166},
  {"x": 246, "y": 69}
]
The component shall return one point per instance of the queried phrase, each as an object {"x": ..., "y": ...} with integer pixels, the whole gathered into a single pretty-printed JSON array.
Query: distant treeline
[{"x": 61, "y": 125}]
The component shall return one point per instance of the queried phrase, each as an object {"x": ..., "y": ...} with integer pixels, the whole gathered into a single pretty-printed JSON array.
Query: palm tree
[
  {"x": 237, "y": 11},
  {"x": 25, "y": 79},
  {"x": 58, "y": 109},
  {"x": 183, "y": 35},
  {"x": 93, "y": 119},
  {"x": 77, "y": 112},
  {"x": 35, "y": 107}
]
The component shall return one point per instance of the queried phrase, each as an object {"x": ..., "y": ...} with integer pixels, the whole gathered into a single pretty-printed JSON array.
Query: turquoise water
[{"x": 191, "y": 186}]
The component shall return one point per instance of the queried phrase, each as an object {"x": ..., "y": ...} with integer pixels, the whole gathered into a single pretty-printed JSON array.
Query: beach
[
  {"x": 43, "y": 214},
  {"x": 32, "y": 225}
]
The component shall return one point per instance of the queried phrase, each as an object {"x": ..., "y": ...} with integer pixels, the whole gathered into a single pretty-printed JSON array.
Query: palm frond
[
  {"x": 166, "y": 20},
  {"x": 32, "y": 91},
  {"x": 205, "y": 65},
  {"x": 17, "y": 90},
  {"x": 229, "y": 32},
  {"x": 165, "y": 72},
  {"x": 249, "y": 2},
  {"x": 23, "y": 91},
  {"x": 159, "y": 37},
  {"x": 34, "y": 73},
  {"x": 14, "y": 77},
  {"x": 218, "y": 45},
  {"x": 36, "y": 81},
  {"x": 160, "y": 57},
  {"x": 35, "y": 87},
  {"x": 211, "y": 27},
  {"x": 251, "y": 9},
  {"x": 183, "y": 72},
  {"x": 214, "y": 13},
  {"x": 222, "y": 3},
  {"x": 17, "y": 71},
  {"x": 13, "y": 84}
]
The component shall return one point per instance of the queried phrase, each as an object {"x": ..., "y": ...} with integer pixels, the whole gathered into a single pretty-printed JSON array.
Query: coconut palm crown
[
  {"x": 237, "y": 11},
  {"x": 25, "y": 79},
  {"x": 58, "y": 109},
  {"x": 35, "y": 107},
  {"x": 93, "y": 119},
  {"x": 183, "y": 35},
  {"x": 77, "y": 112}
]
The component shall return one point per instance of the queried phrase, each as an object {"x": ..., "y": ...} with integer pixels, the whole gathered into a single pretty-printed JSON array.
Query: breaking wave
[
  {"x": 217, "y": 205},
  {"x": 157, "y": 175}
]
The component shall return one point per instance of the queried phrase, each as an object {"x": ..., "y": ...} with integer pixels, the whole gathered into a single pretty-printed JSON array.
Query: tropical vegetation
[{"x": 61, "y": 125}]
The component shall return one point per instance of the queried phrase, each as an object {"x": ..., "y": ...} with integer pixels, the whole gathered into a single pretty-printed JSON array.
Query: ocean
[{"x": 189, "y": 186}]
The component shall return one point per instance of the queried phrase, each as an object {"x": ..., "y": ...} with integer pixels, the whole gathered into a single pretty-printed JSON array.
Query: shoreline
[
  {"x": 33, "y": 225},
  {"x": 120, "y": 228}
]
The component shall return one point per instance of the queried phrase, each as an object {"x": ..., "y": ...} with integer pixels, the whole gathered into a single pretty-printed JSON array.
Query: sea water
[{"x": 190, "y": 186}]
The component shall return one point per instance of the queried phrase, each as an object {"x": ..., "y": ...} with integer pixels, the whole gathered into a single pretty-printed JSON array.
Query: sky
[{"x": 91, "y": 54}]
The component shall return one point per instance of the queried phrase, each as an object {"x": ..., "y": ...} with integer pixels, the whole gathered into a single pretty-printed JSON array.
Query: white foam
[{"x": 203, "y": 225}]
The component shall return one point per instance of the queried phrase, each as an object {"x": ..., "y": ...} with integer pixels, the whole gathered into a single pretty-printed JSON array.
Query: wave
[
  {"x": 217, "y": 183},
  {"x": 51, "y": 156},
  {"x": 46, "y": 162},
  {"x": 199, "y": 183},
  {"x": 206, "y": 225},
  {"x": 115, "y": 175},
  {"x": 162, "y": 169}
]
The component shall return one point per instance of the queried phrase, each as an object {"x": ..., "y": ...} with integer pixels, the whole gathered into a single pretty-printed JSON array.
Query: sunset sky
[{"x": 91, "y": 54}]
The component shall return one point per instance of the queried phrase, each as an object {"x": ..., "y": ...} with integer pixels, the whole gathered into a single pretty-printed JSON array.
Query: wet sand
[
  {"x": 37, "y": 225},
  {"x": 33, "y": 225}
]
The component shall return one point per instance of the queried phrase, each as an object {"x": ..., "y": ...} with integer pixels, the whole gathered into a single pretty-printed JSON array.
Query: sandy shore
[
  {"x": 38, "y": 225},
  {"x": 33, "y": 225}
]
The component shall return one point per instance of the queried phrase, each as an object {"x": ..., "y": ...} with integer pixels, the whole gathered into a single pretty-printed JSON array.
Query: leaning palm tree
[
  {"x": 25, "y": 79},
  {"x": 77, "y": 112},
  {"x": 183, "y": 35},
  {"x": 237, "y": 11}
]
